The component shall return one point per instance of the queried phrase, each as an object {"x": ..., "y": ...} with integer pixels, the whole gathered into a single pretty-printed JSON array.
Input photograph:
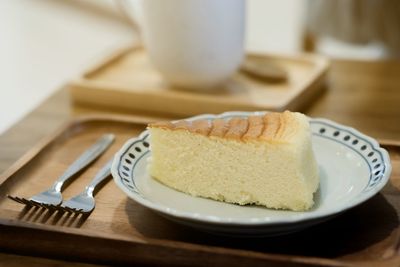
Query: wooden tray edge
[
  {"x": 321, "y": 61},
  {"x": 146, "y": 251},
  {"x": 322, "y": 64},
  {"x": 32, "y": 152},
  {"x": 10, "y": 230},
  {"x": 38, "y": 147}
]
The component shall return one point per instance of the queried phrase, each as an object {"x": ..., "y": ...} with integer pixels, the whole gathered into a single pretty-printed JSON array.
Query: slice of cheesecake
[{"x": 264, "y": 160}]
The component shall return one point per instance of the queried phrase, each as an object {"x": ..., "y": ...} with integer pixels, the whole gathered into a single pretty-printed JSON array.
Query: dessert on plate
[{"x": 264, "y": 160}]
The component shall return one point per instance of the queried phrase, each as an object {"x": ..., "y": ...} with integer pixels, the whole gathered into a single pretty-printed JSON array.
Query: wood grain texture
[
  {"x": 364, "y": 95},
  {"x": 11, "y": 260},
  {"x": 120, "y": 231},
  {"x": 128, "y": 80}
]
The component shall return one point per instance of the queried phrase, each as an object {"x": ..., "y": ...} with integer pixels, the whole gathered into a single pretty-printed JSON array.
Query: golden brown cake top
[{"x": 271, "y": 126}]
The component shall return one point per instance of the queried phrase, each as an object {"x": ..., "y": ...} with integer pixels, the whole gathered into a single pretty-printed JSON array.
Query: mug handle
[{"x": 125, "y": 7}]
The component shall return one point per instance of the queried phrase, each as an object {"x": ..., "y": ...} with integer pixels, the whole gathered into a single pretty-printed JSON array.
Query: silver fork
[
  {"x": 84, "y": 202},
  {"x": 52, "y": 197}
]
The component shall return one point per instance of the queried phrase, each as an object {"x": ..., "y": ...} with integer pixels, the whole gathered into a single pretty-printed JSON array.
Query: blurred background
[{"x": 45, "y": 43}]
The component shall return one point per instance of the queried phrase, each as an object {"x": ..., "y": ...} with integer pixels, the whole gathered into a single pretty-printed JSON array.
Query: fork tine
[
  {"x": 52, "y": 207},
  {"x": 44, "y": 205},
  {"x": 63, "y": 208},
  {"x": 16, "y": 199},
  {"x": 25, "y": 201},
  {"x": 32, "y": 203},
  {"x": 67, "y": 209},
  {"x": 19, "y": 200},
  {"x": 76, "y": 211},
  {"x": 12, "y": 198},
  {"x": 56, "y": 208}
]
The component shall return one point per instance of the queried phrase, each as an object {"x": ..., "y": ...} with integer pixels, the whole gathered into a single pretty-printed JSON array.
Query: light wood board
[{"x": 126, "y": 80}]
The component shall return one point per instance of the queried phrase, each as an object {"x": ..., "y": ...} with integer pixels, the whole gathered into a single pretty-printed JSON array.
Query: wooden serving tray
[
  {"x": 120, "y": 231},
  {"x": 126, "y": 80}
]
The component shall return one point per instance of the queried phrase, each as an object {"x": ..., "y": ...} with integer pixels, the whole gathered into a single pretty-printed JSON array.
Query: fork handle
[
  {"x": 85, "y": 159},
  {"x": 100, "y": 177}
]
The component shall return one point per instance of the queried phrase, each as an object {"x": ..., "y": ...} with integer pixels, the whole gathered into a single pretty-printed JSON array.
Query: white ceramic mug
[{"x": 194, "y": 44}]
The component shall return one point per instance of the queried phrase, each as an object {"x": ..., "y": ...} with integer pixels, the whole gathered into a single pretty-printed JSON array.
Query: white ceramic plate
[{"x": 353, "y": 168}]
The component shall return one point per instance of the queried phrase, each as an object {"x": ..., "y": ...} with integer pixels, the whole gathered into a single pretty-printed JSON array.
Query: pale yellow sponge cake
[{"x": 264, "y": 160}]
